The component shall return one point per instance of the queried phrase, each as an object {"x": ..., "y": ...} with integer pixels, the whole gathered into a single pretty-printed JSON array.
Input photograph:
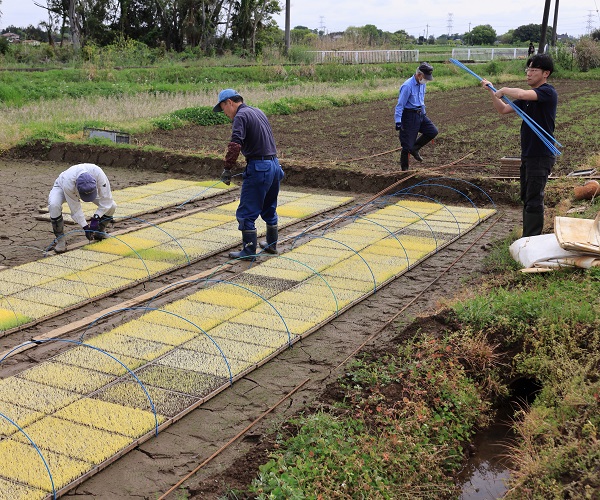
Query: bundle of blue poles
[{"x": 544, "y": 136}]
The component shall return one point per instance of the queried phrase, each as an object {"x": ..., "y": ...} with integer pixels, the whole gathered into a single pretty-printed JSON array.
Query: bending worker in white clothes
[{"x": 83, "y": 182}]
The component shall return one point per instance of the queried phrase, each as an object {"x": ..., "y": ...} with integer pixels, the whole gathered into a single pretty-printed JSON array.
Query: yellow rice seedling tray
[
  {"x": 77, "y": 441},
  {"x": 139, "y": 200},
  {"x": 184, "y": 381},
  {"x": 10, "y": 287},
  {"x": 80, "y": 259},
  {"x": 300, "y": 274},
  {"x": 67, "y": 377},
  {"x": 110, "y": 417},
  {"x": 18, "y": 414},
  {"x": 123, "y": 345},
  {"x": 277, "y": 306},
  {"x": 96, "y": 278},
  {"x": 323, "y": 301},
  {"x": 26, "y": 308},
  {"x": 45, "y": 267},
  {"x": 131, "y": 394},
  {"x": 35, "y": 396},
  {"x": 10, "y": 318},
  {"x": 22, "y": 463},
  {"x": 191, "y": 322},
  {"x": 15, "y": 275},
  {"x": 211, "y": 364},
  {"x": 274, "y": 322},
  {"x": 155, "y": 332},
  {"x": 252, "y": 334},
  {"x": 232, "y": 349},
  {"x": 20, "y": 491},
  {"x": 48, "y": 297},
  {"x": 227, "y": 295},
  {"x": 123, "y": 245},
  {"x": 86, "y": 357},
  {"x": 74, "y": 286}
]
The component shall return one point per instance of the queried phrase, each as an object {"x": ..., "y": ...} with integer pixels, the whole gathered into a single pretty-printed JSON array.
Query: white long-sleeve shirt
[{"x": 67, "y": 181}]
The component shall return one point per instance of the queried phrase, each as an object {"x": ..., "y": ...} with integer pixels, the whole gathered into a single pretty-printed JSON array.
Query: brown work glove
[{"x": 233, "y": 151}]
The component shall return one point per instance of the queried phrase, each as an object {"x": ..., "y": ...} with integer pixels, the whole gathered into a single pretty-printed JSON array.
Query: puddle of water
[{"x": 486, "y": 474}]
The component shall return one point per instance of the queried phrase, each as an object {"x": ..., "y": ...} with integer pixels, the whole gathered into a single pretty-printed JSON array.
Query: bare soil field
[{"x": 350, "y": 150}]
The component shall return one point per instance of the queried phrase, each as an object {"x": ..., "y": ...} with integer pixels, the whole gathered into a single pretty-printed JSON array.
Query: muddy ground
[{"x": 312, "y": 162}]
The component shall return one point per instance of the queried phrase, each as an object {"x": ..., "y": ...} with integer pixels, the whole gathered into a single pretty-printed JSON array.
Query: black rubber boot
[
  {"x": 404, "y": 160},
  {"x": 105, "y": 220},
  {"x": 270, "y": 246},
  {"x": 419, "y": 143},
  {"x": 248, "y": 250},
  {"x": 58, "y": 226},
  {"x": 533, "y": 223}
]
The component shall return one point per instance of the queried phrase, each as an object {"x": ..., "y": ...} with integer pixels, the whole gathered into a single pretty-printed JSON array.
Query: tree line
[{"x": 211, "y": 25}]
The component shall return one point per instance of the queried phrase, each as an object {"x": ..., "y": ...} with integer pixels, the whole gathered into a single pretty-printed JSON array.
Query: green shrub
[{"x": 587, "y": 54}]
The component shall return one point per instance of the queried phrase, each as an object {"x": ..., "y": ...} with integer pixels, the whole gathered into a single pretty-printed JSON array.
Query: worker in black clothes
[
  {"x": 252, "y": 135},
  {"x": 530, "y": 50},
  {"x": 410, "y": 115},
  {"x": 537, "y": 160}
]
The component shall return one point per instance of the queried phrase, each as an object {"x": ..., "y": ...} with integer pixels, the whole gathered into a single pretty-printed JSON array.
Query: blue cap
[
  {"x": 223, "y": 96},
  {"x": 86, "y": 186}
]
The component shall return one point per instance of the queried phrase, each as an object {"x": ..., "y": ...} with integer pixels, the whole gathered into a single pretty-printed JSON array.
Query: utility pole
[
  {"x": 554, "y": 28},
  {"x": 469, "y": 39},
  {"x": 287, "y": 27},
  {"x": 544, "y": 28}
]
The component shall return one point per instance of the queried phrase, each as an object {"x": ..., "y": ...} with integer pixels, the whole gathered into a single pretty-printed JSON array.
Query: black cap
[{"x": 427, "y": 70}]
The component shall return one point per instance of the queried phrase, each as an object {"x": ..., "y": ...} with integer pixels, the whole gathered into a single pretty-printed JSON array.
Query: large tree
[
  {"x": 248, "y": 18},
  {"x": 483, "y": 34},
  {"x": 530, "y": 33}
]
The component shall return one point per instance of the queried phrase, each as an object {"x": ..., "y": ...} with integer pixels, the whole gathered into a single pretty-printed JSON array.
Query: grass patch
[{"x": 403, "y": 422}]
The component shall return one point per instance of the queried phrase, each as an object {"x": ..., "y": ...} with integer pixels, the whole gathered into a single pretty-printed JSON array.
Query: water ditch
[{"x": 486, "y": 474}]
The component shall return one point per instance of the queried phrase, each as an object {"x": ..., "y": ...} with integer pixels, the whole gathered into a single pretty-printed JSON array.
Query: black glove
[
  {"x": 398, "y": 126},
  {"x": 226, "y": 176},
  {"x": 89, "y": 234},
  {"x": 95, "y": 223}
]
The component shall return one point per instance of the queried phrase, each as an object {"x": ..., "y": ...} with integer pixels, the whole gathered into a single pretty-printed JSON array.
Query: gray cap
[
  {"x": 427, "y": 70},
  {"x": 86, "y": 186}
]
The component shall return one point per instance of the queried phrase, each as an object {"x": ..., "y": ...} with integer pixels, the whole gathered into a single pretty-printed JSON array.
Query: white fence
[
  {"x": 400, "y": 56},
  {"x": 488, "y": 54},
  {"x": 364, "y": 56}
]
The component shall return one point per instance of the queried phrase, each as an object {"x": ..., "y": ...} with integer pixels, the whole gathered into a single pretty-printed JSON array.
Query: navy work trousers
[
  {"x": 412, "y": 124},
  {"x": 260, "y": 188}
]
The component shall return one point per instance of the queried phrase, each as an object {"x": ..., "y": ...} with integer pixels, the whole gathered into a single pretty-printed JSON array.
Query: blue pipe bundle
[{"x": 544, "y": 136}]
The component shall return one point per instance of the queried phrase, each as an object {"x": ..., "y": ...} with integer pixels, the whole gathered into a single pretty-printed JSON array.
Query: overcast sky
[{"x": 423, "y": 17}]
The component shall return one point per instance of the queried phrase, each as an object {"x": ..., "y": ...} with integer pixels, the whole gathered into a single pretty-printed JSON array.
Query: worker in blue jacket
[
  {"x": 251, "y": 135},
  {"x": 410, "y": 116}
]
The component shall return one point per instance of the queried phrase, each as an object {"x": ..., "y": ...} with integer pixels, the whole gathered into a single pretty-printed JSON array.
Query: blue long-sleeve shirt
[{"x": 411, "y": 96}]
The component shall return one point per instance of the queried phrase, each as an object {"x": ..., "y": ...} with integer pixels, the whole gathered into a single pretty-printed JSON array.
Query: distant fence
[
  {"x": 364, "y": 56},
  {"x": 401, "y": 56},
  {"x": 488, "y": 54}
]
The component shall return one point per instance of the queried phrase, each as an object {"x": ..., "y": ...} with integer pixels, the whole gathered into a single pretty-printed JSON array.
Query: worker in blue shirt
[
  {"x": 410, "y": 116},
  {"x": 251, "y": 135}
]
